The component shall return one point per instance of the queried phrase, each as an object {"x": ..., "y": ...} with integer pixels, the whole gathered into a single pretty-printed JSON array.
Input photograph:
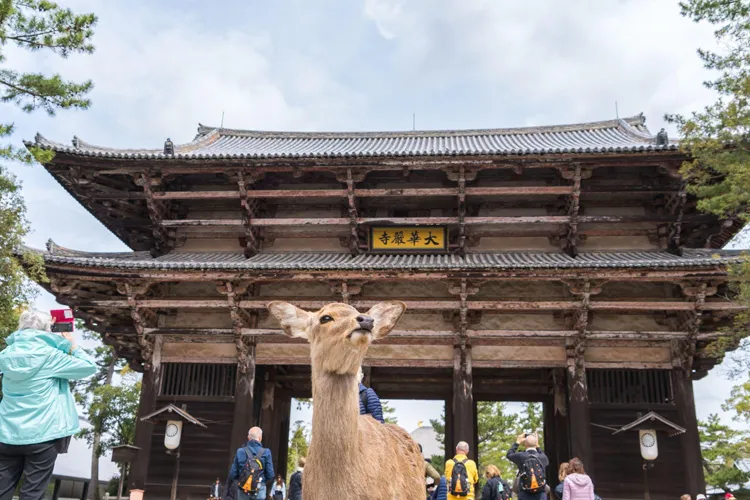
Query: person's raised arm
[
  {"x": 513, "y": 455},
  {"x": 73, "y": 366}
]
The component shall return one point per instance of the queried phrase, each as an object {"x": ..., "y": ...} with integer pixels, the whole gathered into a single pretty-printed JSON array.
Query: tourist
[
  {"x": 531, "y": 463},
  {"x": 561, "y": 473},
  {"x": 495, "y": 488},
  {"x": 369, "y": 402},
  {"x": 37, "y": 413},
  {"x": 295, "y": 482},
  {"x": 577, "y": 485},
  {"x": 729, "y": 496},
  {"x": 279, "y": 489},
  {"x": 686, "y": 497},
  {"x": 441, "y": 491},
  {"x": 700, "y": 496},
  {"x": 429, "y": 470},
  {"x": 216, "y": 489},
  {"x": 461, "y": 474},
  {"x": 252, "y": 450}
]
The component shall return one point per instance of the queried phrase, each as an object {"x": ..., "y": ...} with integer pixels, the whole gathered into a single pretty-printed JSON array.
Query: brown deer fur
[{"x": 351, "y": 456}]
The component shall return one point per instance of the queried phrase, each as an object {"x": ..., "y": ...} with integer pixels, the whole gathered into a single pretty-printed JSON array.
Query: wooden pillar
[
  {"x": 690, "y": 441},
  {"x": 284, "y": 416},
  {"x": 448, "y": 445},
  {"x": 56, "y": 490},
  {"x": 244, "y": 401},
  {"x": 580, "y": 418},
  {"x": 463, "y": 400},
  {"x": 85, "y": 492},
  {"x": 550, "y": 442},
  {"x": 150, "y": 386}
]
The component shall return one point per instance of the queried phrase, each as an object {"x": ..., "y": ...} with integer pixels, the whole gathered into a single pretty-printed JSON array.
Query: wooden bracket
[
  {"x": 347, "y": 289},
  {"x": 675, "y": 205},
  {"x": 570, "y": 240},
  {"x": 142, "y": 318},
  {"x": 251, "y": 207},
  {"x": 353, "y": 214},
  {"x": 157, "y": 212}
]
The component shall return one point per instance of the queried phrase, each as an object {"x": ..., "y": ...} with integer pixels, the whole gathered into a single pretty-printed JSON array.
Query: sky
[{"x": 160, "y": 68}]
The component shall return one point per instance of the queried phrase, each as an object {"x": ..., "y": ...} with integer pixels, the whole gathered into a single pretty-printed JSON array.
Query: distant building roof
[
  {"x": 338, "y": 261},
  {"x": 626, "y": 135}
]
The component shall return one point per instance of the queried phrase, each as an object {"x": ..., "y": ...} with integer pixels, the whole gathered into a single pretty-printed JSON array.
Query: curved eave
[
  {"x": 505, "y": 261},
  {"x": 622, "y": 136}
]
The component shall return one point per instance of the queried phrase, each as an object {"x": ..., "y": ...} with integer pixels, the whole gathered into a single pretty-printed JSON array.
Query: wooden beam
[
  {"x": 690, "y": 441},
  {"x": 429, "y": 305},
  {"x": 519, "y": 220},
  {"x": 113, "y": 194}
]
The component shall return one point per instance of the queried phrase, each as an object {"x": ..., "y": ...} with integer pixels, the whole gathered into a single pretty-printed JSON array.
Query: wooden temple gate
[{"x": 573, "y": 270}]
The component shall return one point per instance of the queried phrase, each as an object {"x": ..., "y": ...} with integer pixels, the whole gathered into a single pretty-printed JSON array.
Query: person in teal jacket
[{"x": 37, "y": 413}]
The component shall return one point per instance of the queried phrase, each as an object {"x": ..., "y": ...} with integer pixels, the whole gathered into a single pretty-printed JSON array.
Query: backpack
[
  {"x": 502, "y": 491},
  {"x": 251, "y": 476},
  {"x": 531, "y": 476},
  {"x": 459, "y": 486}
]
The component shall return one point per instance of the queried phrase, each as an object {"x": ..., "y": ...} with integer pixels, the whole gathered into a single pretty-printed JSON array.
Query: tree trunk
[{"x": 94, "y": 493}]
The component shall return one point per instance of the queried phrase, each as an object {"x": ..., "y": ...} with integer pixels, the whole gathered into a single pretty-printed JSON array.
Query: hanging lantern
[
  {"x": 172, "y": 434},
  {"x": 649, "y": 445}
]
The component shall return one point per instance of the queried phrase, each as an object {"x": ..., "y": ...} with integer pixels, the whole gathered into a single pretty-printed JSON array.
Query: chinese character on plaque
[{"x": 409, "y": 239}]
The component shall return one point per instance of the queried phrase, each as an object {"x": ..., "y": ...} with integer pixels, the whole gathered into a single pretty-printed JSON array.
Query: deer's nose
[{"x": 365, "y": 322}]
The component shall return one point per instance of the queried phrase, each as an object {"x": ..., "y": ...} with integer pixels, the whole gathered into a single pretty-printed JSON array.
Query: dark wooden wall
[
  {"x": 619, "y": 466},
  {"x": 204, "y": 453}
]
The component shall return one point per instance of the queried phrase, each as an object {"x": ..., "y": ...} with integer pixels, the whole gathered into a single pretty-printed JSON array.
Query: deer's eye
[{"x": 325, "y": 319}]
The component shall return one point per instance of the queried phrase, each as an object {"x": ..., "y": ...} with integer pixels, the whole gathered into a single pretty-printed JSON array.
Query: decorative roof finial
[
  {"x": 50, "y": 246},
  {"x": 661, "y": 138},
  {"x": 168, "y": 147},
  {"x": 38, "y": 138},
  {"x": 76, "y": 142}
]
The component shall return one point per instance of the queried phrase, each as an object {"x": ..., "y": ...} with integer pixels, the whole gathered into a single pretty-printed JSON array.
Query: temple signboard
[{"x": 409, "y": 239}]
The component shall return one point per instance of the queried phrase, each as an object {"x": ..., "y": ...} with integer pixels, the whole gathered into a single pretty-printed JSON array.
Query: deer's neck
[{"x": 335, "y": 413}]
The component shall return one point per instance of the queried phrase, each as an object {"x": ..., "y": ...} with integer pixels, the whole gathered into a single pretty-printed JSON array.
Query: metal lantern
[
  {"x": 172, "y": 434},
  {"x": 649, "y": 444}
]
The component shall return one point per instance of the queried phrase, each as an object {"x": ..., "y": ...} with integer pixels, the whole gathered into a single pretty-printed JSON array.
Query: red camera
[{"x": 64, "y": 320}]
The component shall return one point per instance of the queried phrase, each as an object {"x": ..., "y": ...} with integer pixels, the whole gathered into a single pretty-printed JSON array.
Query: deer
[{"x": 351, "y": 455}]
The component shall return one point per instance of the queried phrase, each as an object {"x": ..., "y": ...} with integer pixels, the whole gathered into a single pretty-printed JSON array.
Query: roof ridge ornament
[
  {"x": 76, "y": 142},
  {"x": 168, "y": 147},
  {"x": 661, "y": 138}
]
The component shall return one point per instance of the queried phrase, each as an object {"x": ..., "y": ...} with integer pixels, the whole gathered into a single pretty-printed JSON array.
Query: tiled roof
[
  {"x": 343, "y": 261},
  {"x": 613, "y": 136}
]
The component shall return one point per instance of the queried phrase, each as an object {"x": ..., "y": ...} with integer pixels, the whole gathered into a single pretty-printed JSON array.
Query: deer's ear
[
  {"x": 386, "y": 315},
  {"x": 294, "y": 321}
]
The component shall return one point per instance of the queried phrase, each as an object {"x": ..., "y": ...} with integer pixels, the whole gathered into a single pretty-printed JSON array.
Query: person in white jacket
[{"x": 278, "y": 491}]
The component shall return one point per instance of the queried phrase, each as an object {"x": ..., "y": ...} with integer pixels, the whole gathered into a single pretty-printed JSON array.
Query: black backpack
[
  {"x": 459, "y": 486},
  {"x": 531, "y": 475},
  {"x": 251, "y": 476},
  {"x": 503, "y": 491}
]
